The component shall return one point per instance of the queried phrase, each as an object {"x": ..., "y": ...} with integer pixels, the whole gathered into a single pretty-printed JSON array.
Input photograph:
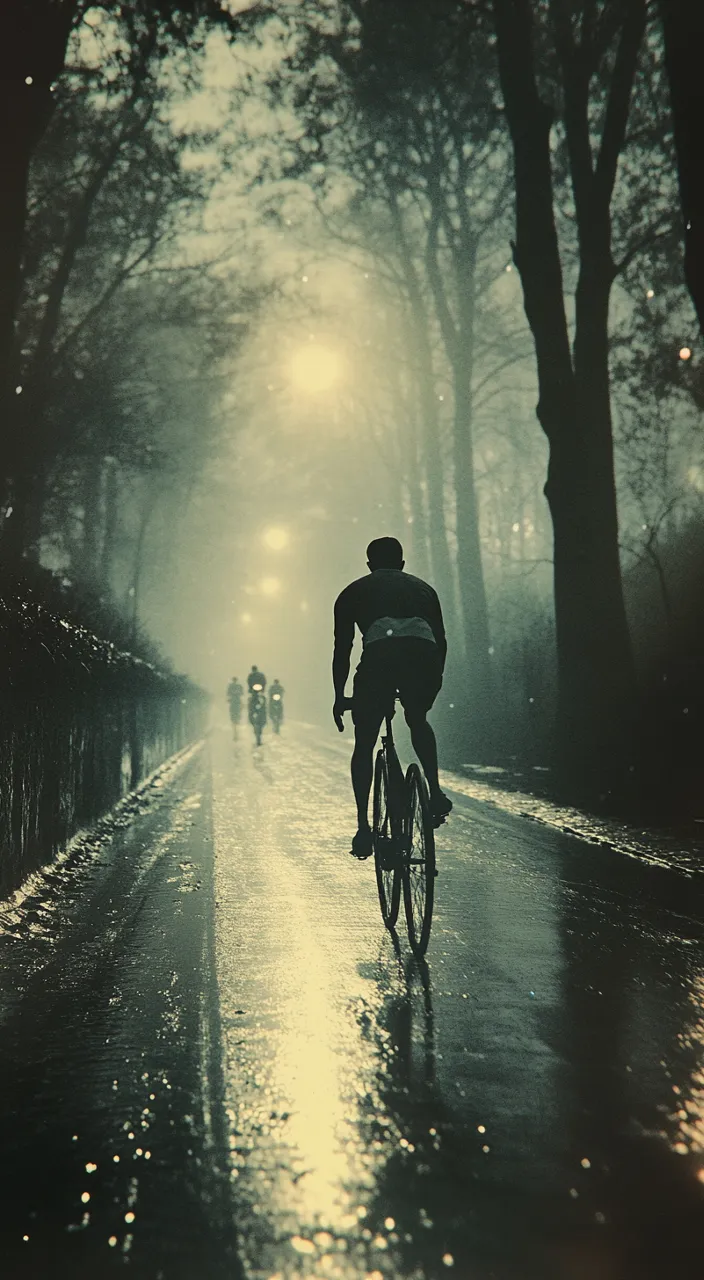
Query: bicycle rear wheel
[
  {"x": 386, "y": 860},
  {"x": 418, "y": 862}
]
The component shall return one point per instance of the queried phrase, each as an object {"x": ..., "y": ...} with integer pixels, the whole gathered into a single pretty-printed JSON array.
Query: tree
[
  {"x": 597, "y": 58},
  {"x": 35, "y": 37},
  {"x": 683, "y": 23}
]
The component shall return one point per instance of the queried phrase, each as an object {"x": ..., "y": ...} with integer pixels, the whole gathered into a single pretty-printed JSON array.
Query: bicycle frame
[{"x": 396, "y": 782}]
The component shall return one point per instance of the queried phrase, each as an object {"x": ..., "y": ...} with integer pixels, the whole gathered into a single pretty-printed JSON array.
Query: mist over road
[{"x": 209, "y": 982}]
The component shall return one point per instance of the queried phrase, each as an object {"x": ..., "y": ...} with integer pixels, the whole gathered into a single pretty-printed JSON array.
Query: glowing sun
[{"x": 315, "y": 368}]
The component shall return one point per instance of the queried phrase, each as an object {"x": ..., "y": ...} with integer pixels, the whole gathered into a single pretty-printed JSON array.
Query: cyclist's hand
[{"x": 340, "y": 706}]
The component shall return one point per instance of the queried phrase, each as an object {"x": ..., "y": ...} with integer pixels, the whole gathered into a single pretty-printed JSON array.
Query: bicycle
[
  {"x": 257, "y": 712},
  {"x": 404, "y": 842}
]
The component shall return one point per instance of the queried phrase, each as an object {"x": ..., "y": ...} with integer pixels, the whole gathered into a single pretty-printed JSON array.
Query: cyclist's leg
[
  {"x": 366, "y": 733},
  {"x": 420, "y": 680},
  {"x": 372, "y": 693},
  {"x": 424, "y": 745}
]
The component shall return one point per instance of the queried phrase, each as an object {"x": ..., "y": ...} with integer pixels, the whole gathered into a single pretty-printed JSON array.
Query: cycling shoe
[{"x": 440, "y": 806}]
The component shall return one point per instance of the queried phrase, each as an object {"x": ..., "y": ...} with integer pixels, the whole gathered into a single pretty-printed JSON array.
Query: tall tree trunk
[
  {"x": 432, "y": 468},
  {"x": 683, "y": 21},
  {"x": 34, "y": 38},
  {"x": 88, "y": 557},
  {"x": 595, "y": 668},
  {"x": 458, "y": 336},
  {"x": 430, "y": 454},
  {"x": 111, "y": 513},
  {"x": 480, "y": 709},
  {"x": 21, "y": 530},
  {"x": 419, "y": 528}
]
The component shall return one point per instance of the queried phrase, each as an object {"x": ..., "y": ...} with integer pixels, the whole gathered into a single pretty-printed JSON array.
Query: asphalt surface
[{"x": 215, "y": 1062}]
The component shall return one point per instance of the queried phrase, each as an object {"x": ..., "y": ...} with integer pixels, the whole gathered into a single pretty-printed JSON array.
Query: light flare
[{"x": 315, "y": 369}]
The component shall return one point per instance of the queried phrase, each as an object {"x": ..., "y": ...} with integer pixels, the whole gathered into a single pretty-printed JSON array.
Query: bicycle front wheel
[
  {"x": 388, "y": 880},
  {"x": 418, "y": 862}
]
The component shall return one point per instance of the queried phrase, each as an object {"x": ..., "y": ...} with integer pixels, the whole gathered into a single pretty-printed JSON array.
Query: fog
[{"x": 296, "y": 319}]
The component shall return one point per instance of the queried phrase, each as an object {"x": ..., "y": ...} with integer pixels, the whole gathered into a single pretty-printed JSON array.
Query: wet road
[{"x": 204, "y": 990}]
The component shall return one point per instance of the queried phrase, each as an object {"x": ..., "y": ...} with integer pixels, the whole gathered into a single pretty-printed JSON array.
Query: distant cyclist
[
  {"x": 404, "y": 651},
  {"x": 235, "y": 694},
  {"x": 256, "y": 709},
  {"x": 256, "y": 677},
  {"x": 276, "y": 703}
]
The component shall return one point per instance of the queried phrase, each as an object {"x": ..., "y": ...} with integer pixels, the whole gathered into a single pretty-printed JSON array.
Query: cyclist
[
  {"x": 235, "y": 694},
  {"x": 404, "y": 651},
  {"x": 276, "y": 700},
  {"x": 256, "y": 677}
]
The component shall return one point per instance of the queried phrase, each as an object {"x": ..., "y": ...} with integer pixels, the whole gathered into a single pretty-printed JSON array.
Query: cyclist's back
[{"x": 391, "y": 604}]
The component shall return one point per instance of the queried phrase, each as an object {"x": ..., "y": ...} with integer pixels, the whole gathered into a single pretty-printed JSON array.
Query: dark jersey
[{"x": 388, "y": 602}]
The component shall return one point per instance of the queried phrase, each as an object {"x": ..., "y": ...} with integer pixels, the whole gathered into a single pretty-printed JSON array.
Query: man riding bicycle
[
  {"x": 276, "y": 700},
  {"x": 235, "y": 694},
  {"x": 256, "y": 680},
  {"x": 404, "y": 651}
]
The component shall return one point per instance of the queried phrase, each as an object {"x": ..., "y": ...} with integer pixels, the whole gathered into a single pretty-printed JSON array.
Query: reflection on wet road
[{"x": 529, "y": 1106}]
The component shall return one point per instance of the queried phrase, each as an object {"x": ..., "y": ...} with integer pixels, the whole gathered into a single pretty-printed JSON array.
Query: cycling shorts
[{"x": 407, "y": 667}]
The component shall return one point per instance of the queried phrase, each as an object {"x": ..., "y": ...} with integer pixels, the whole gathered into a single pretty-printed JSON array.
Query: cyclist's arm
[
  {"x": 438, "y": 626},
  {"x": 344, "y": 637}
]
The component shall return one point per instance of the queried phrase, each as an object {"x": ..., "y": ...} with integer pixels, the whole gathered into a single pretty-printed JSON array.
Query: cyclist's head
[
  {"x": 254, "y": 666},
  {"x": 385, "y": 553}
]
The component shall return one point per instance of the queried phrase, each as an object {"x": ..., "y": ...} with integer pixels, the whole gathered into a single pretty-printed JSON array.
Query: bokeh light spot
[{"x": 276, "y": 539}]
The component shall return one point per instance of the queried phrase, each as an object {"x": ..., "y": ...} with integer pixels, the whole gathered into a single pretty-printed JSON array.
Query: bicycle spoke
[
  {"x": 419, "y": 864},
  {"x": 385, "y": 844}
]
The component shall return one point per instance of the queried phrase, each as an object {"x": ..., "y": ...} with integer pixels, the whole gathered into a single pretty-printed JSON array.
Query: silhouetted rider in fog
[
  {"x": 235, "y": 694},
  {"x": 256, "y": 677},
  {"x": 404, "y": 650},
  {"x": 276, "y": 693}
]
